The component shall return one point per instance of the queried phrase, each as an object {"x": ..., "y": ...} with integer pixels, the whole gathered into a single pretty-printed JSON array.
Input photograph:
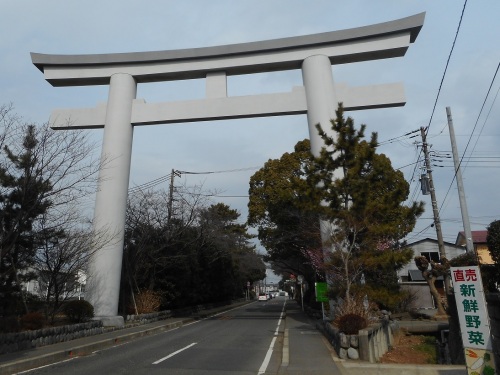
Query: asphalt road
[{"x": 245, "y": 340}]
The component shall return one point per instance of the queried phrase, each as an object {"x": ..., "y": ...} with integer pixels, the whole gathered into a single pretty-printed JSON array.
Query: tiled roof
[{"x": 478, "y": 236}]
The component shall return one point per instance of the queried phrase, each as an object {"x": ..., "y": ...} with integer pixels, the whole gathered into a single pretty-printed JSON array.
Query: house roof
[
  {"x": 478, "y": 236},
  {"x": 430, "y": 240}
]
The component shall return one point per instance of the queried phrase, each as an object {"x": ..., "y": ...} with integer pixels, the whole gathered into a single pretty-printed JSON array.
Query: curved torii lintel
[{"x": 379, "y": 41}]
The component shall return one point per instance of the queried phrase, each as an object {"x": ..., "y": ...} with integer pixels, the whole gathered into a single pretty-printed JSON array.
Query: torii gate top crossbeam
[{"x": 379, "y": 41}]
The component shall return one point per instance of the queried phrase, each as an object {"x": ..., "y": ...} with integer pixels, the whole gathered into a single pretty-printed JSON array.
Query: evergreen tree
[
  {"x": 365, "y": 207},
  {"x": 493, "y": 241},
  {"x": 363, "y": 203},
  {"x": 287, "y": 221},
  {"x": 23, "y": 200},
  {"x": 43, "y": 174}
]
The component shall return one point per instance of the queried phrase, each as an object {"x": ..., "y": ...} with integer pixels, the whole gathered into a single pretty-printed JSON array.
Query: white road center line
[{"x": 174, "y": 353}]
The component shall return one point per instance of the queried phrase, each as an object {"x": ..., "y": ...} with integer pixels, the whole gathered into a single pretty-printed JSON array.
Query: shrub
[
  {"x": 32, "y": 321},
  {"x": 356, "y": 305},
  {"x": 9, "y": 324},
  {"x": 78, "y": 311},
  {"x": 148, "y": 301},
  {"x": 350, "y": 324}
]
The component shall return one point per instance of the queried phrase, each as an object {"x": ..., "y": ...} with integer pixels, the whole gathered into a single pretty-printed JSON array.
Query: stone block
[
  {"x": 342, "y": 353},
  {"x": 354, "y": 341},
  {"x": 344, "y": 341},
  {"x": 352, "y": 353}
]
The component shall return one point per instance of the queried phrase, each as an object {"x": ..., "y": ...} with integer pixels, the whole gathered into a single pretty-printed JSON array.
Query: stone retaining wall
[
  {"x": 12, "y": 342},
  {"x": 376, "y": 340},
  {"x": 368, "y": 345},
  {"x": 147, "y": 318}
]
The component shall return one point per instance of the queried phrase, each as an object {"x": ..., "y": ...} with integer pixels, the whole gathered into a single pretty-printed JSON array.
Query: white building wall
[{"x": 429, "y": 246}]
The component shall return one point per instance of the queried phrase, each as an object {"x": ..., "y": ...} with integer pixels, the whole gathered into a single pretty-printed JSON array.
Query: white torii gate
[{"x": 318, "y": 98}]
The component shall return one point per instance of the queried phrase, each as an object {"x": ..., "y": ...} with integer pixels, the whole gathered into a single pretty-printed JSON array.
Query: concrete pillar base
[{"x": 111, "y": 321}]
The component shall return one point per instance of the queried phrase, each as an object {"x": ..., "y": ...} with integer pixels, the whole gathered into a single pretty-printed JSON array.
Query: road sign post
[{"x": 321, "y": 295}]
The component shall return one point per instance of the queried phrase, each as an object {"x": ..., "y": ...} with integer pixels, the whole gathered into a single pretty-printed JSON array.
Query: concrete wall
[{"x": 423, "y": 297}]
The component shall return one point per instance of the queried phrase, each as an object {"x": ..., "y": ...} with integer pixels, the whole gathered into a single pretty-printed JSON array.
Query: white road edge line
[
  {"x": 264, "y": 365},
  {"x": 174, "y": 353},
  {"x": 267, "y": 358}
]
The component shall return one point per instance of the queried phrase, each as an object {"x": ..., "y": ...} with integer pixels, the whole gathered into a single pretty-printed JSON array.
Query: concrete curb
[
  {"x": 362, "y": 368},
  {"x": 338, "y": 361}
]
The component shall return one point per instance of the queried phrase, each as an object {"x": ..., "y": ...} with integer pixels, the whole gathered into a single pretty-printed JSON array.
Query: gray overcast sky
[{"x": 105, "y": 26}]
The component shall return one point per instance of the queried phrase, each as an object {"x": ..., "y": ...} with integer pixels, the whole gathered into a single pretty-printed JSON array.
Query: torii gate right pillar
[{"x": 322, "y": 103}]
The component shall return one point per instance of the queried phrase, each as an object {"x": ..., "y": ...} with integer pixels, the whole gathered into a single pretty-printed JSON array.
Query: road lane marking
[
  {"x": 267, "y": 358},
  {"x": 264, "y": 365},
  {"x": 174, "y": 353}
]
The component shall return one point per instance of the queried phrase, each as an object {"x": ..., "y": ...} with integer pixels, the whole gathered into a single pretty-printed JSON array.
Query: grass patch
[{"x": 428, "y": 346}]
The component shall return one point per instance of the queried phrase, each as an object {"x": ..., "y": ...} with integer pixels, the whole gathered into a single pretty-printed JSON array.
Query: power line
[
  {"x": 442, "y": 79},
  {"x": 446, "y": 66},
  {"x": 162, "y": 179},
  {"x": 225, "y": 171},
  {"x": 473, "y": 130}
]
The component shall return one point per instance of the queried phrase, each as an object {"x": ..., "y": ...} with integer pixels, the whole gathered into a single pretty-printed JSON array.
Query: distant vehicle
[
  {"x": 282, "y": 293},
  {"x": 263, "y": 297}
]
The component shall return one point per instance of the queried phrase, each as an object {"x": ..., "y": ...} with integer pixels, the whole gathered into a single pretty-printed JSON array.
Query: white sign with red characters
[
  {"x": 472, "y": 313},
  {"x": 474, "y": 321}
]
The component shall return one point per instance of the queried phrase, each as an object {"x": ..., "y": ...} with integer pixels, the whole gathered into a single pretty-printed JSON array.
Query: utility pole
[
  {"x": 171, "y": 194},
  {"x": 437, "y": 221},
  {"x": 461, "y": 194}
]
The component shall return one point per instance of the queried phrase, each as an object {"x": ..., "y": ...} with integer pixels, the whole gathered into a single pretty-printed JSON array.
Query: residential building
[
  {"x": 411, "y": 278},
  {"x": 479, "y": 243}
]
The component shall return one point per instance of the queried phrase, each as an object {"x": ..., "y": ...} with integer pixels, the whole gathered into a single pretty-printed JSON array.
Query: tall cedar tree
[{"x": 364, "y": 205}]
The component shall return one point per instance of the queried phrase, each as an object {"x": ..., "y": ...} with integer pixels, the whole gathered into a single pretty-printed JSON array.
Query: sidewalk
[
  {"x": 305, "y": 350},
  {"x": 310, "y": 353}
]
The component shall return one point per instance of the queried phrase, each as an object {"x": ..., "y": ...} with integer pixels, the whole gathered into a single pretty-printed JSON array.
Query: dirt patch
[{"x": 411, "y": 349}]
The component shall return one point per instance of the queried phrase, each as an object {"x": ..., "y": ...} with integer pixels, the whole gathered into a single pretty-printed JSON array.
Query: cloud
[{"x": 93, "y": 26}]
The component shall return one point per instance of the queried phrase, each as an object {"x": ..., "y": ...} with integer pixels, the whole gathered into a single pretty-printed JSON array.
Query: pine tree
[{"x": 364, "y": 204}]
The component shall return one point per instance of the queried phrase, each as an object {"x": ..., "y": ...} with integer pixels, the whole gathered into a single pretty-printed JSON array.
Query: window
[{"x": 431, "y": 255}]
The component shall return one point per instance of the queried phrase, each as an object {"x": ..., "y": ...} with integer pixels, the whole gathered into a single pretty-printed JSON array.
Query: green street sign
[{"x": 321, "y": 289}]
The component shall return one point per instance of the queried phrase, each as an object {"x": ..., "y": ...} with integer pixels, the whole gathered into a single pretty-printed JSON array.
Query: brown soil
[{"x": 405, "y": 351}]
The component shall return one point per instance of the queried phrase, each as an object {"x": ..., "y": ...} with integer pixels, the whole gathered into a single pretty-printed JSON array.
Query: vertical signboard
[
  {"x": 321, "y": 295},
  {"x": 321, "y": 290},
  {"x": 474, "y": 322}
]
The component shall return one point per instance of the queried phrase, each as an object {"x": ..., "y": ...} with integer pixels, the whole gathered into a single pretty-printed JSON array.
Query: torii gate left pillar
[{"x": 318, "y": 98}]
